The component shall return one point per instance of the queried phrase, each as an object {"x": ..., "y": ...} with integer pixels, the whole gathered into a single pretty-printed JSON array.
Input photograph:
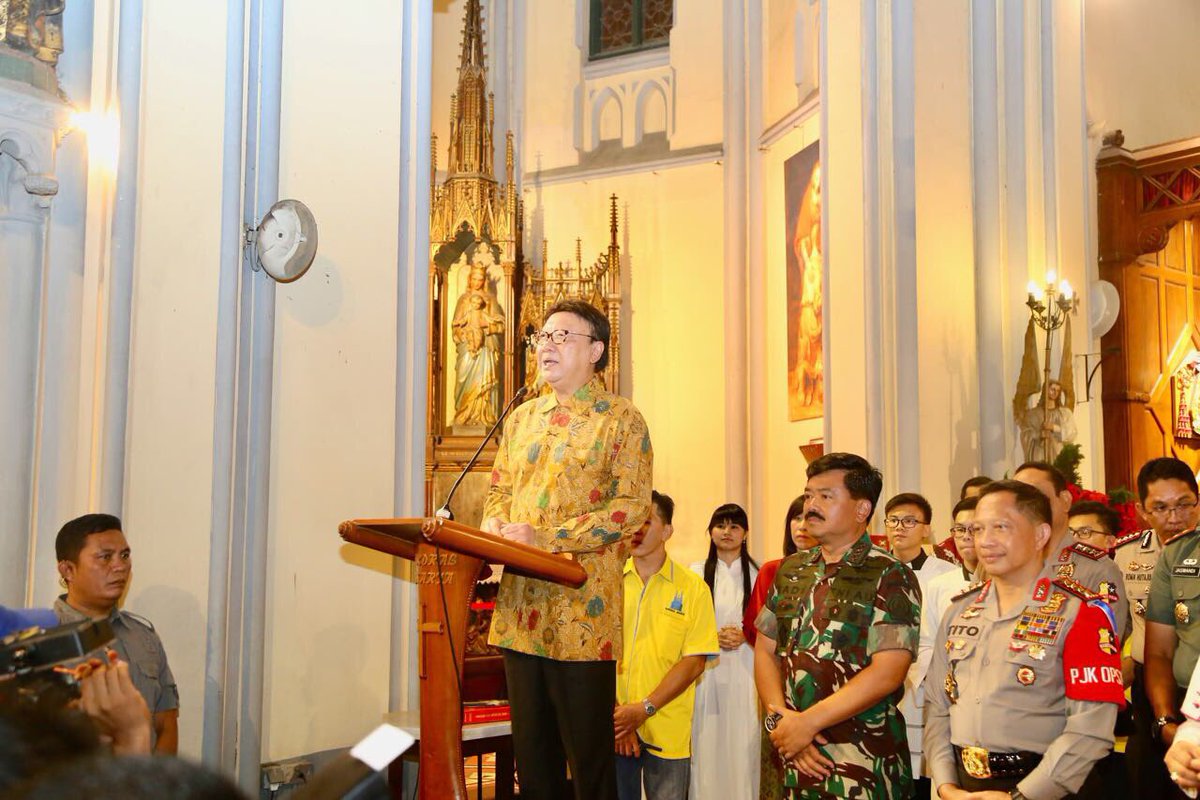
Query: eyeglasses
[
  {"x": 908, "y": 523},
  {"x": 1086, "y": 532},
  {"x": 558, "y": 337},
  {"x": 959, "y": 530},
  {"x": 1165, "y": 512}
]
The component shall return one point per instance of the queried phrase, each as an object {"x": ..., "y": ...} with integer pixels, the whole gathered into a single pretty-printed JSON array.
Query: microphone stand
[{"x": 444, "y": 512}]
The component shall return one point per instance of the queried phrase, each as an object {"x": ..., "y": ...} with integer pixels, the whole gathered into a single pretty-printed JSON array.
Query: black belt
[{"x": 978, "y": 766}]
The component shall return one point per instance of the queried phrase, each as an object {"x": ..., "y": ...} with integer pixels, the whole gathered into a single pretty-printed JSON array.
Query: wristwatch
[
  {"x": 649, "y": 707},
  {"x": 771, "y": 720},
  {"x": 1162, "y": 722}
]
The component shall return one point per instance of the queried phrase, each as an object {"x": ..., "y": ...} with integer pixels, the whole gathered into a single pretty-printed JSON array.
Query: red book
[{"x": 486, "y": 711}]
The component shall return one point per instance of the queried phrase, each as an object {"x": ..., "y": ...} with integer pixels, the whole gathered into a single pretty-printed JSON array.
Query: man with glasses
[
  {"x": 906, "y": 520},
  {"x": 1168, "y": 553},
  {"x": 1088, "y": 565},
  {"x": 572, "y": 475}
]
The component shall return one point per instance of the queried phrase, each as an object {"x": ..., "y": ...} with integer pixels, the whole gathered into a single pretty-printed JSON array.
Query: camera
[{"x": 28, "y": 661}]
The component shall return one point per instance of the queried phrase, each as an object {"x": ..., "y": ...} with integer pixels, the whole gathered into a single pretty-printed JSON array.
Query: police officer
[
  {"x": 1167, "y": 500},
  {"x": 1088, "y": 565},
  {"x": 1026, "y": 683}
]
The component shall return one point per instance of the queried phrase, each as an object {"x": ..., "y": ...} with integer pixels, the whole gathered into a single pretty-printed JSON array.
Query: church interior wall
[
  {"x": 333, "y": 452},
  {"x": 168, "y": 489},
  {"x": 1137, "y": 55},
  {"x": 333, "y": 443}
]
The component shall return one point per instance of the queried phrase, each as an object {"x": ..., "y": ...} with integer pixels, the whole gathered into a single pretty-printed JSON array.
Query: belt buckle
[{"x": 975, "y": 762}]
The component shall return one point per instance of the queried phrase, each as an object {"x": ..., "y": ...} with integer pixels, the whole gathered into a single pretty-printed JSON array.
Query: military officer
[
  {"x": 1088, "y": 565},
  {"x": 1167, "y": 500},
  {"x": 837, "y": 634},
  {"x": 1025, "y": 686}
]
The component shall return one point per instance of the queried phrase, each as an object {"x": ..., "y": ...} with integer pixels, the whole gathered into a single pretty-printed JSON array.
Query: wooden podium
[{"x": 449, "y": 558}]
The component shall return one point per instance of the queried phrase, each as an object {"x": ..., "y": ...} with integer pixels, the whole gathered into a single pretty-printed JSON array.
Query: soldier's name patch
[
  {"x": 1185, "y": 571},
  {"x": 1038, "y": 626},
  {"x": 962, "y": 630}
]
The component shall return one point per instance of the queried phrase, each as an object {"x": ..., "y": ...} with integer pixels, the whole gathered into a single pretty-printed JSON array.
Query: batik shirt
[
  {"x": 578, "y": 472},
  {"x": 828, "y": 620}
]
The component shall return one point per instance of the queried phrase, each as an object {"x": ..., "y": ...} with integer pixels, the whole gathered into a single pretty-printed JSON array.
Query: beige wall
[
  {"x": 168, "y": 487},
  {"x": 328, "y": 609},
  {"x": 1140, "y": 69}
]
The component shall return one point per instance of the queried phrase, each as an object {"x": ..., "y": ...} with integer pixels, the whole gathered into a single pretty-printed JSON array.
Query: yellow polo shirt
[{"x": 668, "y": 617}]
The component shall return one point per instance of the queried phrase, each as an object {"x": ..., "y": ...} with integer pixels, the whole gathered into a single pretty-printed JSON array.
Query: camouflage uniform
[{"x": 828, "y": 620}]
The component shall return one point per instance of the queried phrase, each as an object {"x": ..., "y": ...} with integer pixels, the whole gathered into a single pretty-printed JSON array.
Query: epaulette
[
  {"x": 1179, "y": 535},
  {"x": 1132, "y": 536},
  {"x": 1087, "y": 551},
  {"x": 1072, "y": 586},
  {"x": 974, "y": 587},
  {"x": 138, "y": 618}
]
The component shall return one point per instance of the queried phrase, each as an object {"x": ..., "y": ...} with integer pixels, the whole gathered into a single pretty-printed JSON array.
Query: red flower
[
  {"x": 495, "y": 477},
  {"x": 560, "y": 418},
  {"x": 606, "y": 651},
  {"x": 534, "y": 616},
  {"x": 594, "y": 496},
  {"x": 618, "y": 517}
]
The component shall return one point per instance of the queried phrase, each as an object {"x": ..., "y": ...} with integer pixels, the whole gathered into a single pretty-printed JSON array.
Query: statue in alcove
[{"x": 478, "y": 333}]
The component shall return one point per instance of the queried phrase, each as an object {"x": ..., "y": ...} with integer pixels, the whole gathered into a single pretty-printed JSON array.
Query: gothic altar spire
[{"x": 471, "y": 112}]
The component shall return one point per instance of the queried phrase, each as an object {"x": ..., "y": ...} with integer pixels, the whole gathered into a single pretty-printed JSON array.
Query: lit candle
[
  {"x": 1033, "y": 290},
  {"x": 1064, "y": 289}
]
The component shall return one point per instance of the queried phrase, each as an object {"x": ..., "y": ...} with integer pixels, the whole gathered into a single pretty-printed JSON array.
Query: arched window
[{"x": 626, "y": 26}]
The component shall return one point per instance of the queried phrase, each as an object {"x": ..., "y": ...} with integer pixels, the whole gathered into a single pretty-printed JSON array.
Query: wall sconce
[{"x": 103, "y": 132}]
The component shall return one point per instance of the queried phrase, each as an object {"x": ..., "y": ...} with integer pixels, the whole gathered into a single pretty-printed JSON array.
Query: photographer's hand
[{"x": 108, "y": 696}]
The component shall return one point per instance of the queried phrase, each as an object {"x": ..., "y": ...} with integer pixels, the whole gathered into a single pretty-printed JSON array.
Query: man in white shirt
[{"x": 906, "y": 519}]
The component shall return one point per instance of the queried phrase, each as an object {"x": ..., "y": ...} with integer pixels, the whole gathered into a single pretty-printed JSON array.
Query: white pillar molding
[
  {"x": 412, "y": 334},
  {"x": 30, "y": 121},
  {"x": 757, "y": 281},
  {"x": 734, "y": 173}
]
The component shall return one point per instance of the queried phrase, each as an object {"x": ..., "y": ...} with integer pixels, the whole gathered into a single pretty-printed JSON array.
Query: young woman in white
[{"x": 725, "y": 725}]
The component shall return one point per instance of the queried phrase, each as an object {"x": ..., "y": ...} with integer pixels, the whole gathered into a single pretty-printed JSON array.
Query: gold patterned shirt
[{"x": 579, "y": 472}]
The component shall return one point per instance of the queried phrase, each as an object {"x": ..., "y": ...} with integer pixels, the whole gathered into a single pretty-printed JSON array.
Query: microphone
[{"x": 444, "y": 512}]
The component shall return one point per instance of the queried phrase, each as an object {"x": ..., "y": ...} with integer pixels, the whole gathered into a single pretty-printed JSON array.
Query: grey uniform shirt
[
  {"x": 1092, "y": 567},
  {"x": 1008, "y": 693},
  {"x": 1135, "y": 555},
  {"x": 138, "y": 644}
]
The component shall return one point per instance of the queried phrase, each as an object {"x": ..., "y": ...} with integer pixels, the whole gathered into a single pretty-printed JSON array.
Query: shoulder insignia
[
  {"x": 1132, "y": 536},
  {"x": 1179, "y": 536},
  {"x": 974, "y": 587},
  {"x": 1086, "y": 550},
  {"x": 129, "y": 615},
  {"x": 1072, "y": 586}
]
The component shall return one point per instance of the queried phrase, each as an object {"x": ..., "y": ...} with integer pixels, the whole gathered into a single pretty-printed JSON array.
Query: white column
[
  {"x": 736, "y": 193},
  {"x": 416, "y": 65},
  {"x": 28, "y": 123}
]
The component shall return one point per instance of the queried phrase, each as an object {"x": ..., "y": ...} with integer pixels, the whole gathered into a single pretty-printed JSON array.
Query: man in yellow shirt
[
  {"x": 669, "y": 632},
  {"x": 572, "y": 475}
]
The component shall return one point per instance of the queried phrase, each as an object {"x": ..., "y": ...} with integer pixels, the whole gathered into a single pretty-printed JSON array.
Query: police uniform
[
  {"x": 1136, "y": 554},
  {"x": 1092, "y": 568},
  {"x": 137, "y": 643},
  {"x": 1025, "y": 700}
]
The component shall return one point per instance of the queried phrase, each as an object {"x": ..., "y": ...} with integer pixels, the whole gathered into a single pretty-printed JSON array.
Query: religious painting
[
  {"x": 1185, "y": 398},
  {"x": 802, "y": 204},
  {"x": 474, "y": 345}
]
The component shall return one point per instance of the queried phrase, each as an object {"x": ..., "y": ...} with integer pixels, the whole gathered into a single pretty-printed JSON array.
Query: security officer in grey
[
  {"x": 1167, "y": 499},
  {"x": 95, "y": 564},
  {"x": 1025, "y": 682},
  {"x": 1088, "y": 565}
]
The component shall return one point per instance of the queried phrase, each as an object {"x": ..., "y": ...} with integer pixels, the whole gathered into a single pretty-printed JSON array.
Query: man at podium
[{"x": 572, "y": 475}]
